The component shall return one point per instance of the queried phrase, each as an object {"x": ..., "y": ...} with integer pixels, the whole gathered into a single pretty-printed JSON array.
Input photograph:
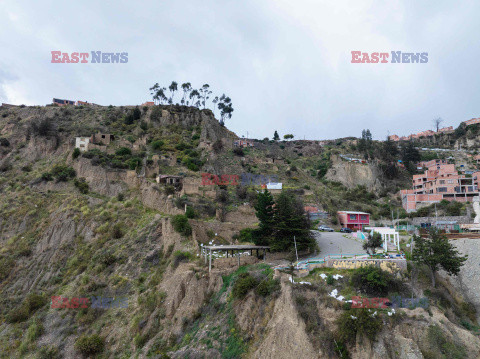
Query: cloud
[{"x": 286, "y": 65}]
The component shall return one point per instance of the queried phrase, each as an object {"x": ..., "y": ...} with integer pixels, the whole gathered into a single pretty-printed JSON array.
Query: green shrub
[
  {"x": 4, "y": 142},
  {"x": 169, "y": 189},
  {"x": 157, "y": 145},
  {"x": 140, "y": 340},
  {"x": 82, "y": 185},
  {"x": 267, "y": 287},
  {"x": 48, "y": 352},
  {"x": 76, "y": 153},
  {"x": 374, "y": 281},
  {"x": 34, "y": 331},
  {"x": 358, "y": 321},
  {"x": 117, "y": 231},
  {"x": 330, "y": 279},
  {"x": 123, "y": 151},
  {"x": 180, "y": 256},
  {"x": 89, "y": 345},
  {"x": 244, "y": 283},
  {"x": 190, "y": 212},
  {"x": 6, "y": 265},
  {"x": 62, "y": 173},
  {"x": 30, "y": 304},
  {"x": 47, "y": 176},
  {"x": 181, "y": 225}
]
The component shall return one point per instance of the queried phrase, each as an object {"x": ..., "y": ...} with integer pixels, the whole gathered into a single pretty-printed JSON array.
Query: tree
[
  {"x": 372, "y": 243},
  {"x": 214, "y": 101},
  {"x": 225, "y": 107},
  {"x": 288, "y": 136},
  {"x": 153, "y": 92},
  {"x": 194, "y": 98},
  {"x": 186, "y": 87},
  {"x": 160, "y": 96},
  {"x": 437, "y": 252},
  {"x": 276, "y": 137},
  {"x": 436, "y": 122},
  {"x": 289, "y": 221},
  {"x": 173, "y": 88},
  {"x": 264, "y": 213},
  {"x": 205, "y": 94},
  {"x": 410, "y": 156}
]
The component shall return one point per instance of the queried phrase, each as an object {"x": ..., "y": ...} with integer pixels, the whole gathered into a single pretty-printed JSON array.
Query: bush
[
  {"x": 358, "y": 321},
  {"x": 190, "y": 213},
  {"x": 123, "y": 151},
  {"x": 180, "y": 256},
  {"x": 82, "y": 185},
  {"x": 117, "y": 231},
  {"x": 267, "y": 287},
  {"x": 374, "y": 281},
  {"x": 330, "y": 279},
  {"x": 76, "y": 153},
  {"x": 181, "y": 225},
  {"x": 32, "y": 303},
  {"x": 4, "y": 142},
  {"x": 120, "y": 197},
  {"x": 169, "y": 189},
  {"x": 157, "y": 145},
  {"x": 238, "y": 151},
  {"x": 48, "y": 352},
  {"x": 89, "y": 345},
  {"x": 62, "y": 173},
  {"x": 245, "y": 282}
]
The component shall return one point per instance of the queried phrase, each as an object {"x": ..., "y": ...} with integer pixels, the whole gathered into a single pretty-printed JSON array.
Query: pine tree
[
  {"x": 276, "y": 137},
  {"x": 289, "y": 221},
  {"x": 264, "y": 213},
  {"x": 437, "y": 252}
]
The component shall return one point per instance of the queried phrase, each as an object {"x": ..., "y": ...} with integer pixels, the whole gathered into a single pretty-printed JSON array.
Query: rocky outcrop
[{"x": 352, "y": 174}]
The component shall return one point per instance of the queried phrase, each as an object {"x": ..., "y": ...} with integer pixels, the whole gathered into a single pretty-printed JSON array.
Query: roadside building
[
  {"x": 59, "y": 102},
  {"x": 82, "y": 143},
  {"x": 314, "y": 213},
  {"x": 353, "y": 220},
  {"x": 102, "y": 138},
  {"x": 148, "y": 103},
  {"x": 243, "y": 143},
  {"x": 175, "y": 181}
]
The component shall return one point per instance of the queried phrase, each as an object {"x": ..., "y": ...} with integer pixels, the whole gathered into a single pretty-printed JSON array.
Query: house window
[
  {"x": 450, "y": 181},
  {"x": 442, "y": 189},
  {"x": 353, "y": 217},
  {"x": 363, "y": 217}
]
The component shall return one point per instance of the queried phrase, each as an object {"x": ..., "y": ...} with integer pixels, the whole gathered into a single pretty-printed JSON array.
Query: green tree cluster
[{"x": 280, "y": 221}]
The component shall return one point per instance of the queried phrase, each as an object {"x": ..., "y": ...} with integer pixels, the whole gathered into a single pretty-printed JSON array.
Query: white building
[
  {"x": 274, "y": 185},
  {"x": 82, "y": 143},
  {"x": 388, "y": 235}
]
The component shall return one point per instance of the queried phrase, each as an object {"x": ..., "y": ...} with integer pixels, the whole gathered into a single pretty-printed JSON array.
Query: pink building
[
  {"x": 353, "y": 220},
  {"x": 440, "y": 181},
  {"x": 243, "y": 143},
  {"x": 473, "y": 121}
]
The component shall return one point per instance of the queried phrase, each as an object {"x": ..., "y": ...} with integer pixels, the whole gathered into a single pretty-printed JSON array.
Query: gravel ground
[{"x": 337, "y": 243}]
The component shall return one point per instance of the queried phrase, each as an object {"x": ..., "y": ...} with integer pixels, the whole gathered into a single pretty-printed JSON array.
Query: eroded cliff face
[{"x": 352, "y": 174}]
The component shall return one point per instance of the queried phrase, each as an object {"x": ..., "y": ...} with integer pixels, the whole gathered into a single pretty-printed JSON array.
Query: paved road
[{"x": 336, "y": 243}]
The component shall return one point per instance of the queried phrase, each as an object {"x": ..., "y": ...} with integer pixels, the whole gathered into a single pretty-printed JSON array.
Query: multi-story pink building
[
  {"x": 353, "y": 220},
  {"x": 472, "y": 121},
  {"x": 440, "y": 181}
]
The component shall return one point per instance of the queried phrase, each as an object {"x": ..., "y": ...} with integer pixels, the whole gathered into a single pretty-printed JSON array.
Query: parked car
[
  {"x": 346, "y": 230},
  {"x": 325, "y": 228}
]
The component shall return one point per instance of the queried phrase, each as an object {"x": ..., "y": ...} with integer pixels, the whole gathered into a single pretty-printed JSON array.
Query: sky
[{"x": 286, "y": 65}]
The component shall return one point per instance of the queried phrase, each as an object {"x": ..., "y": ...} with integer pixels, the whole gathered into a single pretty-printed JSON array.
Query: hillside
[{"x": 96, "y": 223}]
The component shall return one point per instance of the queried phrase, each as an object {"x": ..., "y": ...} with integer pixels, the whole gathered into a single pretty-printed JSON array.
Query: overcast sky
[{"x": 285, "y": 64}]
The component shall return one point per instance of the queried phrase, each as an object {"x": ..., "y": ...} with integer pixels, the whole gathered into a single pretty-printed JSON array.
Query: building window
[
  {"x": 442, "y": 181},
  {"x": 450, "y": 181},
  {"x": 363, "y": 217},
  {"x": 442, "y": 189},
  {"x": 353, "y": 217}
]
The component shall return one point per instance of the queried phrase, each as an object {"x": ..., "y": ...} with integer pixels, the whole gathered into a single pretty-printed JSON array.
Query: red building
[{"x": 353, "y": 220}]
